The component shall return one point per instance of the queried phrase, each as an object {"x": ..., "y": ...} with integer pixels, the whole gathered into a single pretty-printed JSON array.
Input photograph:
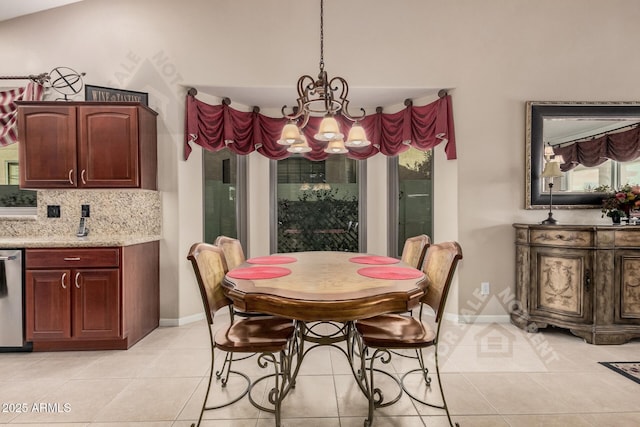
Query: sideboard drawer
[
  {"x": 554, "y": 237},
  {"x": 70, "y": 258},
  {"x": 627, "y": 238}
]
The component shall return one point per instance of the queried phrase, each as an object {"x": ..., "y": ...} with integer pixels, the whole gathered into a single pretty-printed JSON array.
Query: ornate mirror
[{"x": 559, "y": 124}]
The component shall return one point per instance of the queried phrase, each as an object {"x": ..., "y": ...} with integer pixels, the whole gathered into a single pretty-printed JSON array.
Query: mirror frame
[{"x": 536, "y": 112}]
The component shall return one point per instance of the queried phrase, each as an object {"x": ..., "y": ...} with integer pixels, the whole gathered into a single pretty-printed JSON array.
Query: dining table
[
  {"x": 324, "y": 285},
  {"x": 324, "y": 293}
]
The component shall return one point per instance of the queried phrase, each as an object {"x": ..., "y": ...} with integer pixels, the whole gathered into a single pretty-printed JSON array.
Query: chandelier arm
[
  {"x": 341, "y": 83},
  {"x": 347, "y": 115}
]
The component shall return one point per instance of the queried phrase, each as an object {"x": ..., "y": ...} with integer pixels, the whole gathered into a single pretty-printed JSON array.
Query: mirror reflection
[{"x": 598, "y": 146}]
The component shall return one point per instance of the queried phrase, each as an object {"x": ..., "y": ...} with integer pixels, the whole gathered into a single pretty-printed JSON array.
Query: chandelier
[{"x": 322, "y": 97}]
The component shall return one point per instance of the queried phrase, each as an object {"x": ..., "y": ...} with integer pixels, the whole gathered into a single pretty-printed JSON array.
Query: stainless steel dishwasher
[{"x": 12, "y": 301}]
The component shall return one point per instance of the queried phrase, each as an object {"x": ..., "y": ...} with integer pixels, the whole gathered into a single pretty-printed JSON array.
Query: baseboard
[
  {"x": 482, "y": 318},
  {"x": 182, "y": 320}
]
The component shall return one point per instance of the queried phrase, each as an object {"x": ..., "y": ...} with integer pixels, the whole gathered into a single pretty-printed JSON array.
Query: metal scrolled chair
[
  {"x": 233, "y": 252},
  {"x": 268, "y": 336},
  {"x": 234, "y": 255},
  {"x": 395, "y": 331},
  {"x": 414, "y": 250}
]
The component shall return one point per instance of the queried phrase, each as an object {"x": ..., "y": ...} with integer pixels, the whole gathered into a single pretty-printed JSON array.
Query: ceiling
[
  {"x": 264, "y": 97},
  {"x": 14, "y": 8}
]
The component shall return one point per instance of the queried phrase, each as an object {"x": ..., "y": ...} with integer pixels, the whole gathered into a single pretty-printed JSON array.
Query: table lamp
[{"x": 551, "y": 170}]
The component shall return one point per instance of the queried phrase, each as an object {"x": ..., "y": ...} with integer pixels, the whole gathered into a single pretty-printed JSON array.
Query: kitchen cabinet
[
  {"x": 579, "y": 277},
  {"x": 91, "y": 298},
  {"x": 87, "y": 145}
]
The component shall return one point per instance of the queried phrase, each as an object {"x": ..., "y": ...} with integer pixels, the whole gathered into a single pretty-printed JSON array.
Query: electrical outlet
[
  {"x": 53, "y": 211},
  {"x": 84, "y": 211},
  {"x": 485, "y": 288}
]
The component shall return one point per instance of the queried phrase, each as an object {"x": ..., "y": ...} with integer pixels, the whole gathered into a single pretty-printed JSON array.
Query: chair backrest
[
  {"x": 414, "y": 250},
  {"x": 210, "y": 267},
  {"x": 440, "y": 263},
  {"x": 233, "y": 252}
]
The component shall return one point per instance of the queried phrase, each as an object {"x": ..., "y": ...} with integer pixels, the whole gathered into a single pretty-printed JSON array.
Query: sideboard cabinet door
[{"x": 562, "y": 284}]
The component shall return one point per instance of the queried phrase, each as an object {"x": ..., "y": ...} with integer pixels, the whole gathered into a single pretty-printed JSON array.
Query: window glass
[
  {"x": 317, "y": 205},
  {"x": 220, "y": 194},
  {"x": 415, "y": 195}
]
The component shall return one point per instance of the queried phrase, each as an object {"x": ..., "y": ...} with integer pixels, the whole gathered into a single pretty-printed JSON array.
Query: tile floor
[{"x": 494, "y": 375}]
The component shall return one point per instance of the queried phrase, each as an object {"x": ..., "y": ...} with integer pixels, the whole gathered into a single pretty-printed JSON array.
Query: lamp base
[{"x": 549, "y": 221}]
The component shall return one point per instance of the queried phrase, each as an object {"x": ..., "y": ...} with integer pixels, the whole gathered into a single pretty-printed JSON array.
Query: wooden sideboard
[{"x": 581, "y": 277}]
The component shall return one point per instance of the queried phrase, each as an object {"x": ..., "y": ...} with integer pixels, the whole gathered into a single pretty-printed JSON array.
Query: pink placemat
[
  {"x": 272, "y": 259},
  {"x": 394, "y": 273},
  {"x": 374, "y": 259},
  {"x": 258, "y": 272}
]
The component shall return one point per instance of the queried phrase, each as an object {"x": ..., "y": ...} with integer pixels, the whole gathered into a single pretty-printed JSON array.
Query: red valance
[
  {"x": 619, "y": 146},
  {"x": 215, "y": 127}
]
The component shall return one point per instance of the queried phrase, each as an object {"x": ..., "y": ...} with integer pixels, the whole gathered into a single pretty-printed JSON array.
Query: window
[
  {"x": 13, "y": 200},
  {"x": 318, "y": 205},
  {"x": 587, "y": 179},
  {"x": 224, "y": 197},
  {"x": 411, "y": 197}
]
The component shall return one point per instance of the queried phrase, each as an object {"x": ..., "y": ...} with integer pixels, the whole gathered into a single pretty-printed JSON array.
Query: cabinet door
[
  {"x": 561, "y": 284},
  {"x": 96, "y": 303},
  {"x": 47, "y": 146},
  {"x": 48, "y": 304},
  {"x": 626, "y": 288},
  {"x": 108, "y": 146}
]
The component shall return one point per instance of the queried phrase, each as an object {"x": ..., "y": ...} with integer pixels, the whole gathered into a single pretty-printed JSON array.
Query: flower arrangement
[{"x": 620, "y": 202}]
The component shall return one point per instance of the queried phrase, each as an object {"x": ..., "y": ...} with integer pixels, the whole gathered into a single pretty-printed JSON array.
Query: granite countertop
[{"x": 73, "y": 241}]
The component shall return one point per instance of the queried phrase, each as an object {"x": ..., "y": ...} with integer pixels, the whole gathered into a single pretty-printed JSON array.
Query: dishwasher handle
[{"x": 8, "y": 258}]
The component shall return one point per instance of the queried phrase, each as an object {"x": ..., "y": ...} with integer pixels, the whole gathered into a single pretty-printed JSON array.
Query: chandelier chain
[{"x": 321, "y": 35}]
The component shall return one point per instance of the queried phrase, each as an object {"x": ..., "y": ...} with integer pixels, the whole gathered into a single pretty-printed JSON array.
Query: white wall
[{"x": 495, "y": 54}]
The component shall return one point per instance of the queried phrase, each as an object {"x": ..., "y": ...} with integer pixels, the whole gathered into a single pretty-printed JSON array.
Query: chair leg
[
  {"x": 423, "y": 368},
  {"x": 424, "y": 373},
  {"x": 206, "y": 395},
  {"x": 444, "y": 400}
]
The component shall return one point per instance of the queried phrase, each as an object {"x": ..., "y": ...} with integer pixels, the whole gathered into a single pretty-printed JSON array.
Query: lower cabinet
[
  {"x": 91, "y": 298},
  {"x": 582, "y": 278}
]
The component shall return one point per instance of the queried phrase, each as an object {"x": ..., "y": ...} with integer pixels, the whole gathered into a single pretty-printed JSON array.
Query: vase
[{"x": 615, "y": 217}]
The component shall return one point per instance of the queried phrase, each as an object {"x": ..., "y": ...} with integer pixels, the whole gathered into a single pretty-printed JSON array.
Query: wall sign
[{"x": 107, "y": 94}]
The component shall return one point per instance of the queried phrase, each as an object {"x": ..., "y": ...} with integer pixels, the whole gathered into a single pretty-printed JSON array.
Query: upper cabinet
[{"x": 87, "y": 145}]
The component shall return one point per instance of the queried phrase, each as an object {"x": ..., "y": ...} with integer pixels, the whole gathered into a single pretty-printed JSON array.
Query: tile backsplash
[{"x": 112, "y": 213}]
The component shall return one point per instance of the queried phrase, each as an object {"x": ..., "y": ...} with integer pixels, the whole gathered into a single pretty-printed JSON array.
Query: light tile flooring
[{"x": 494, "y": 375}]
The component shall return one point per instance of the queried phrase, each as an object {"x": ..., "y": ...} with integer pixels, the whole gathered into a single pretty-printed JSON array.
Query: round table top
[{"x": 326, "y": 286}]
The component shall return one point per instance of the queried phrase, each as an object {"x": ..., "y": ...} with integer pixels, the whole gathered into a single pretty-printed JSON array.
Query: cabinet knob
[
  {"x": 64, "y": 275},
  {"x": 76, "y": 280},
  {"x": 70, "y": 178}
]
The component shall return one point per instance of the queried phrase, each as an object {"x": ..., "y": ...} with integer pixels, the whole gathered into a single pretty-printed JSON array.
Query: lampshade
[
  {"x": 290, "y": 134},
  {"x": 357, "y": 137},
  {"x": 557, "y": 158},
  {"x": 336, "y": 147},
  {"x": 551, "y": 170},
  {"x": 299, "y": 147},
  {"x": 548, "y": 151},
  {"x": 328, "y": 130}
]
